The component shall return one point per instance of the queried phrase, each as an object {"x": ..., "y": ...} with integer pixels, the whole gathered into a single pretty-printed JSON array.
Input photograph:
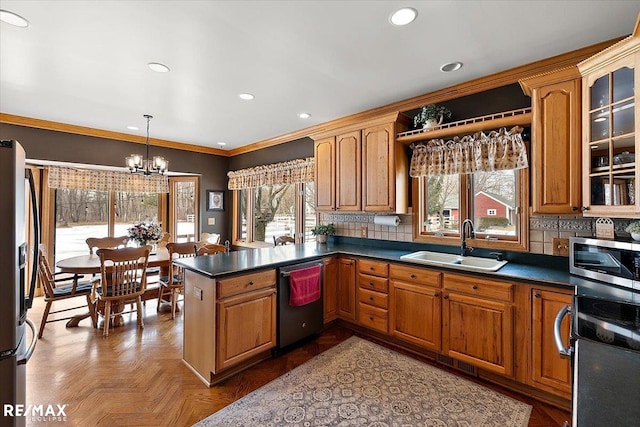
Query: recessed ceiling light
[
  {"x": 304, "y": 115},
  {"x": 158, "y": 67},
  {"x": 13, "y": 19},
  {"x": 451, "y": 66},
  {"x": 403, "y": 16},
  {"x": 246, "y": 96},
  {"x": 133, "y": 127},
  {"x": 222, "y": 144}
]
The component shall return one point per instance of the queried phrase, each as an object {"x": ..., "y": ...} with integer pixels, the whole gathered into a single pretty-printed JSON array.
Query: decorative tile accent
[{"x": 543, "y": 223}]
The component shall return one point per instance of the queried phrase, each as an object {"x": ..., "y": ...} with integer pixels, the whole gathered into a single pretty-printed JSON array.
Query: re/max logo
[{"x": 34, "y": 410}]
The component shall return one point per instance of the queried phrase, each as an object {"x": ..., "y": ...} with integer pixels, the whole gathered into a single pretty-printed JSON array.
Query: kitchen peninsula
[{"x": 230, "y": 310}]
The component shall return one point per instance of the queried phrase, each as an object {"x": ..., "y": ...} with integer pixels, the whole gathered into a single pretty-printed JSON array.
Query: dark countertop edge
[{"x": 512, "y": 271}]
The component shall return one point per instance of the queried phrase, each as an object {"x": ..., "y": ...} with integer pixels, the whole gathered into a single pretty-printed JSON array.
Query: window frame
[
  {"x": 519, "y": 242},
  {"x": 299, "y": 234}
]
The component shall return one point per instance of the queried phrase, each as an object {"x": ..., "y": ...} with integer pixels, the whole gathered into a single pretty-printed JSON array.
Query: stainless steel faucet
[{"x": 467, "y": 225}]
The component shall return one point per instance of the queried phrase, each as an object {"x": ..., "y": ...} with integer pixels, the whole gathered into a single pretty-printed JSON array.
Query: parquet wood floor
[{"x": 136, "y": 377}]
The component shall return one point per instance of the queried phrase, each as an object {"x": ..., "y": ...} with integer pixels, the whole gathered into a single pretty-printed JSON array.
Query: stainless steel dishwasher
[{"x": 296, "y": 322}]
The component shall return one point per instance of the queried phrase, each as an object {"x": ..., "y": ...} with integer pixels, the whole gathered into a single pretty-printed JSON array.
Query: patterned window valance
[
  {"x": 499, "y": 150},
  {"x": 291, "y": 172},
  {"x": 104, "y": 180}
]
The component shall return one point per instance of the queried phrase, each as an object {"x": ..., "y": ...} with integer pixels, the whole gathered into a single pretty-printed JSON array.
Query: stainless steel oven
[{"x": 605, "y": 334}]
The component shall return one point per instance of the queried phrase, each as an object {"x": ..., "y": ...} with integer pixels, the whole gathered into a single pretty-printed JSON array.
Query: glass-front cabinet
[{"x": 610, "y": 130}]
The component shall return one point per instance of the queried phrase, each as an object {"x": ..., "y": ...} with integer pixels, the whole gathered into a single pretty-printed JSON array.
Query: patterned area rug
[{"x": 361, "y": 383}]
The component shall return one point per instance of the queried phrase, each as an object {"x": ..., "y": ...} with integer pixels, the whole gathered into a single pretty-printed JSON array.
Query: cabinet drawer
[
  {"x": 375, "y": 268},
  {"x": 373, "y": 318},
  {"x": 235, "y": 285},
  {"x": 479, "y": 287},
  {"x": 415, "y": 275},
  {"x": 373, "y": 298},
  {"x": 374, "y": 283}
]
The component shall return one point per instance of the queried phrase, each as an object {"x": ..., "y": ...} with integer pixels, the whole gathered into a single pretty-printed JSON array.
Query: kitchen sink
[{"x": 471, "y": 263}]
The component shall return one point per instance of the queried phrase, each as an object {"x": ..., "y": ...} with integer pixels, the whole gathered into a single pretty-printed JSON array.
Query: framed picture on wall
[{"x": 215, "y": 200}]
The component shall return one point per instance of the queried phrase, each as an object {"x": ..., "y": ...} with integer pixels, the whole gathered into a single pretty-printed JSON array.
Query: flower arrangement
[
  {"x": 431, "y": 112},
  {"x": 144, "y": 233},
  {"x": 323, "y": 229},
  {"x": 634, "y": 229}
]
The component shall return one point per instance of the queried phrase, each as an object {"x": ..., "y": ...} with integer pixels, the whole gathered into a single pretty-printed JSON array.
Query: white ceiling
[{"x": 84, "y": 62}]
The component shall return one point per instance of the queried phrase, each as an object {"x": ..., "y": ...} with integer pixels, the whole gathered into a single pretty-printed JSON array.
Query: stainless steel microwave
[{"x": 611, "y": 261}]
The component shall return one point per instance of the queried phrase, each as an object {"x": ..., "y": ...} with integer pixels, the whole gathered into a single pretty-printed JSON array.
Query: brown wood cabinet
[
  {"x": 555, "y": 146},
  {"x": 384, "y": 169},
  {"x": 373, "y": 295},
  {"x": 611, "y": 130},
  {"x": 477, "y": 322},
  {"x": 549, "y": 371},
  {"x": 325, "y": 173},
  {"x": 245, "y": 318},
  {"x": 415, "y": 306},
  {"x": 330, "y": 267},
  {"x": 347, "y": 289},
  {"x": 362, "y": 168}
]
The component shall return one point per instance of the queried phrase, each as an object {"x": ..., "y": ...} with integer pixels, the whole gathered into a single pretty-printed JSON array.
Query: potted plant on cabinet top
[
  {"x": 634, "y": 229},
  {"x": 430, "y": 116},
  {"x": 321, "y": 231}
]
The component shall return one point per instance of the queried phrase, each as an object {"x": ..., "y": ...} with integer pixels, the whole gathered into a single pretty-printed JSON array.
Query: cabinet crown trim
[
  {"x": 549, "y": 77},
  {"x": 358, "y": 125}
]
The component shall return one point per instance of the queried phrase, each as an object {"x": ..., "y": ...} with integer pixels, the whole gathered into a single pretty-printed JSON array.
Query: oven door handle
[{"x": 557, "y": 333}]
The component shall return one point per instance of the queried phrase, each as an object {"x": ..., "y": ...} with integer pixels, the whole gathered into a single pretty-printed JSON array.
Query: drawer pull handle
[
  {"x": 446, "y": 297},
  {"x": 371, "y": 268},
  {"x": 370, "y": 298},
  {"x": 413, "y": 276},
  {"x": 436, "y": 294},
  {"x": 371, "y": 284},
  {"x": 251, "y": 283},
  {"x": 475, "y": 287},
  {"x": 538, "y": 295},
  {"x": 371, "y": 318}
]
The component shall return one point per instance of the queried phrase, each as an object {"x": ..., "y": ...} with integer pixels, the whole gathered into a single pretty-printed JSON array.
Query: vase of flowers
[
  {"x": 634, "y": 229},
  {"x": 144, "y": 233},
  {"x": 431, "y": 116}
]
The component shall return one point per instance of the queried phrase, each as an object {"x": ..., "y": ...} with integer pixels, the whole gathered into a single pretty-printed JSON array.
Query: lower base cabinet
[
  {"x": 246, "y": 326},
  {"x": 549, "y": 371},
  {"x": 347, "y": 289},
  {"x": 330, "y": 279},
  {"x": 478, "y": 322}
]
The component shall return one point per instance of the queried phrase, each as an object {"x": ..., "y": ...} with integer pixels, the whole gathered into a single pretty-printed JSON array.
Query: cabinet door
[
  {"x": 348, "y": 181},
  {"x": 549, "y": 371},
  {"x": 246, "y": 326},
  {"x": 415, "y": 314},
  {"x": 556, "y": 163},
  {"x": 379, "y": 174},
  {"x": 347, "y": 289},
  {"x": 325, "y": 174},
  {"x": 610, "y": 161},
  {"x": 330, "y": 288},
  {"x": 479, "y": 332}
]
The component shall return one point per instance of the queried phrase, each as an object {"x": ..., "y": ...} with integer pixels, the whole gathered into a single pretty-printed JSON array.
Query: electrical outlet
[
  {"x": 211, "y": 221},
  {"x": 363, "y": 231},
  {"x": 561, "y": 246}
]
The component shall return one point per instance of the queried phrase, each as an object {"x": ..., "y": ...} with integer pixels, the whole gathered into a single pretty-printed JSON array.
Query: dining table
[{"x": 90, "y": 264}]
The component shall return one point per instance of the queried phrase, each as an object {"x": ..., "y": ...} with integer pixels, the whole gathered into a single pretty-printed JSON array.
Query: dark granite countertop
[{"x": 221, "y": 265}]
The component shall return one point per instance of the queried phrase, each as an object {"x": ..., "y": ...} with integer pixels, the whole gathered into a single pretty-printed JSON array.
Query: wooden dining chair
[
  {"x": 174, "y": 282},
  {"x": 123, "y": 275},
  {"x": 106, "y": 242},
  {"x": 211, "y": 249},
  {"x": 61, "y": 288}
]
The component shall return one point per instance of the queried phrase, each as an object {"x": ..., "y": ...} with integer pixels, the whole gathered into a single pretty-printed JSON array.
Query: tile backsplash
[{"x": 542, "y": 229}]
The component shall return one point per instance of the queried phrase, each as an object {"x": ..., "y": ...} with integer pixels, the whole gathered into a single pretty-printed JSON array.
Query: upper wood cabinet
[
  {"x": 610, "y": 164},
  {"x": 362, "y": 168},
  {"x": 555, "y": 146},
  {"x": 325, "y": 179}
]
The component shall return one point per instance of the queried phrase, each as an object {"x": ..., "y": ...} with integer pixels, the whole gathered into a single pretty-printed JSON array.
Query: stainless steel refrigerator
[{"x": 16, "y": 342}]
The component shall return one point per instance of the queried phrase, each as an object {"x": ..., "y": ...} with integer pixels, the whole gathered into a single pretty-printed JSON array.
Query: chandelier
[{"x": 145, "y": 165}]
